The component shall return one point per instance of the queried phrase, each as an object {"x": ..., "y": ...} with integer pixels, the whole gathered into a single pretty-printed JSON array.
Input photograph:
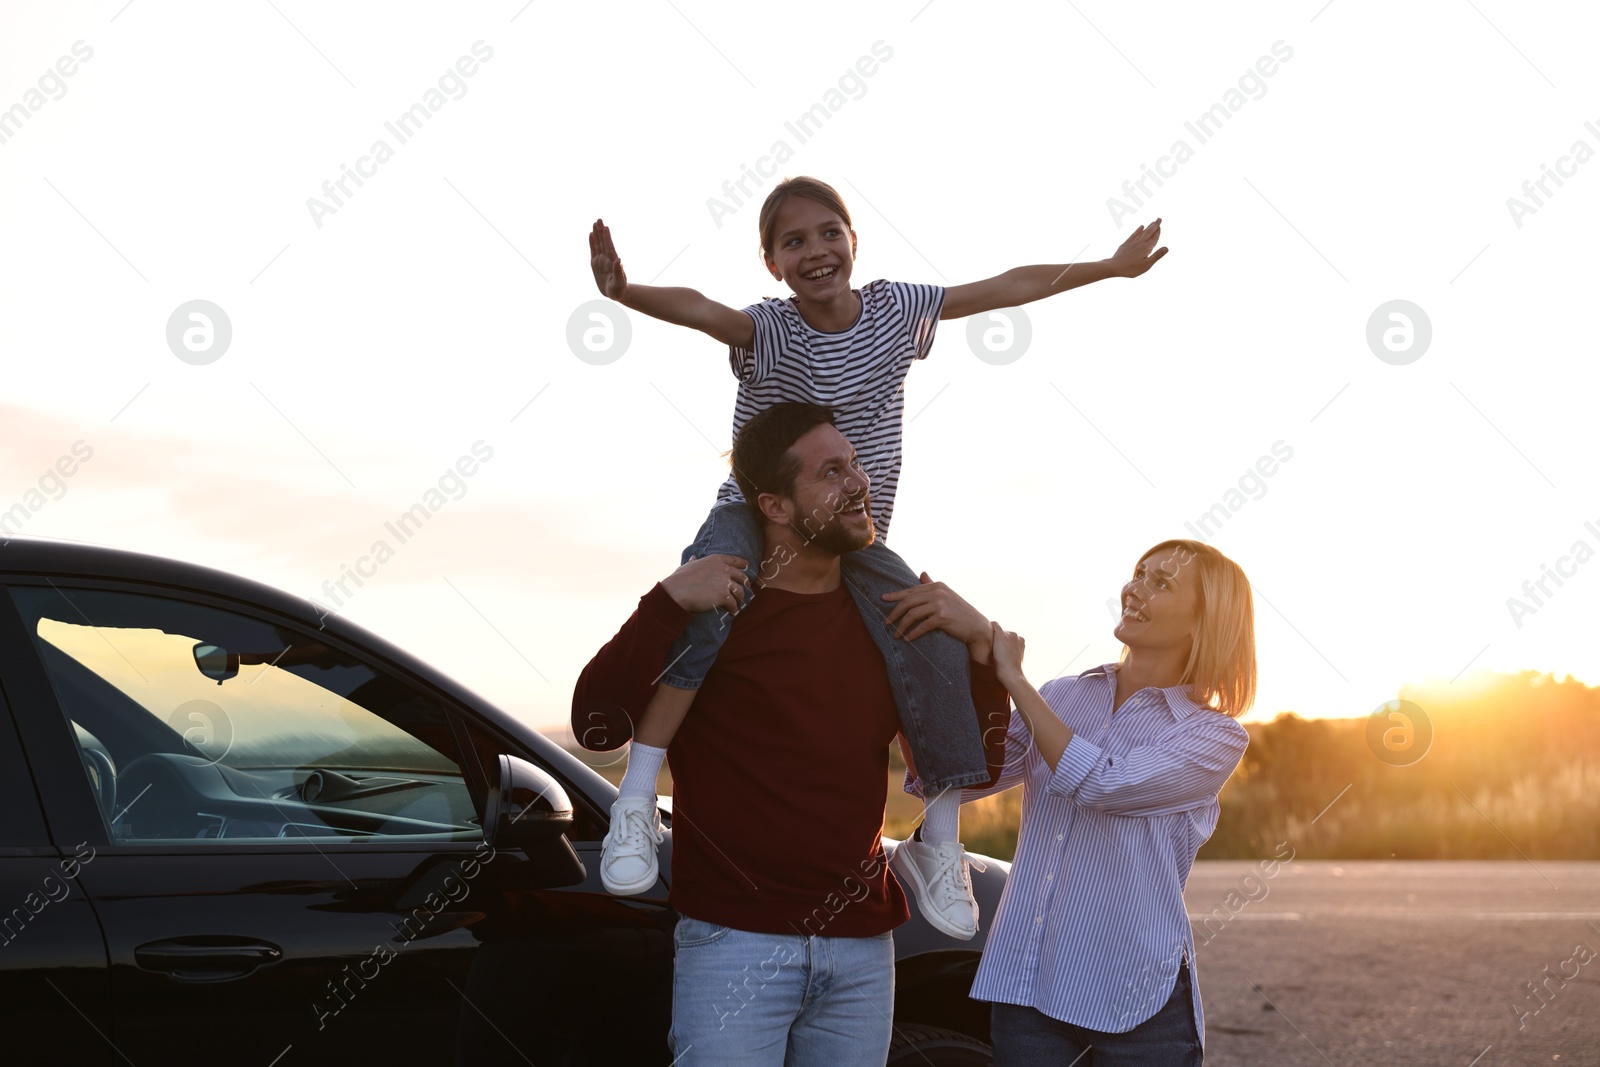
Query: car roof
[
  {"x": 62, "y": 557},
  {"x": 30, "y": 554}
]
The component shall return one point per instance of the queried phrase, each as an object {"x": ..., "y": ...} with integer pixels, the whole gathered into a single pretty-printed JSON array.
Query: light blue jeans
[
  {"x": 779, "y": 1000},
  {"x": 929, "y": 676}
]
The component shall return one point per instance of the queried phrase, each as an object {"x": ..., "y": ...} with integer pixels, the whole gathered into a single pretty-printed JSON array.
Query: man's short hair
[{"x": 762, "y": 462}]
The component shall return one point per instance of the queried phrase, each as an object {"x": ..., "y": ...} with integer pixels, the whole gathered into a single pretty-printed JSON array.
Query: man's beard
[{"x": 838, "y": 539}]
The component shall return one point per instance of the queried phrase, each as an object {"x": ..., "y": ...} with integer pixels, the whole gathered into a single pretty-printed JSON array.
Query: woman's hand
[
  {"x": 935, "y": 606},
  {"x": 1008, "y": 649},
  {"x": 714, "y": 582},
  {"x": 1050, "y": 735},
  {"x": 608, "y": 273}
]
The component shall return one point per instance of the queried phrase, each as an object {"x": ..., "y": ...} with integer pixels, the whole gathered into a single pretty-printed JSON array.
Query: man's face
[{"x": 831, "y": 508}]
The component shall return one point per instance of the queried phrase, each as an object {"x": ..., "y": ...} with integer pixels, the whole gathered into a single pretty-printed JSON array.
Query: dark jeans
[
  {"x": 929, "y": 676},
  {"x": 1027, "y": 1037}
]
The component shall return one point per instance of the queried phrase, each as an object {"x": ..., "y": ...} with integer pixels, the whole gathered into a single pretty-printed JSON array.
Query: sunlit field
[{"x": 1511, "y": 771}]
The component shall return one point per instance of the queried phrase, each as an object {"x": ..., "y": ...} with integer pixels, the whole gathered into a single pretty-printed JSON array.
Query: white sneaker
[
  {"x": 628, "y": 854},
  {"x": 938, "y": 878}
]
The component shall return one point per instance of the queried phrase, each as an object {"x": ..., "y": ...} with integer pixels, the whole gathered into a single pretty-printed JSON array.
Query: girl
[
  {"x": 1120, "y": 769},
  {"x": 847, "y": 348}
]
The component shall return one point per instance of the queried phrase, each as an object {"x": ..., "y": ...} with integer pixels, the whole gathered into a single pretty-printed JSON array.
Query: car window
[{"x": 198, "y": 723}]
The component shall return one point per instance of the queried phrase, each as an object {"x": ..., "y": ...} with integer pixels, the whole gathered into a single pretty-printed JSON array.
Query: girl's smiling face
[
  {"x": 1161, "y": 602},
  {"x": 812, "y": 249}
]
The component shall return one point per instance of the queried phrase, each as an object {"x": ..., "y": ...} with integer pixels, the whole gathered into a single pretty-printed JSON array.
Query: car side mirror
[
  {"x": 527, "y": 809},
  {"x": 525, "y": 806}
]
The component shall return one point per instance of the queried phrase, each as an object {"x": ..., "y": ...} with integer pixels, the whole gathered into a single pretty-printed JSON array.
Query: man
[{"x": 783, "y": 953}]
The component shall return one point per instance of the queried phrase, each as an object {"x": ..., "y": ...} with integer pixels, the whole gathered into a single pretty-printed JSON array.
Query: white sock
[
  {"x": 644, "y": 763},
  {"x": 941, "y": 817}
]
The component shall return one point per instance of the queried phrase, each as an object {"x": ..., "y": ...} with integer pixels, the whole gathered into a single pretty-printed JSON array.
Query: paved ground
[{"x": 1399, "y": 963}]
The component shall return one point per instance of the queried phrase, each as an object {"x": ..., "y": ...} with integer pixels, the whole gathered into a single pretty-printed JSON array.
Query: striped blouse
[
  {"x": 1091, "y": 927},
  {"x": 859, "y": 372}
]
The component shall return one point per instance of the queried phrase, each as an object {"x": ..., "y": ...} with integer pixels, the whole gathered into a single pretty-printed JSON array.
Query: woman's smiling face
[{"x": 1161, "y": 602}]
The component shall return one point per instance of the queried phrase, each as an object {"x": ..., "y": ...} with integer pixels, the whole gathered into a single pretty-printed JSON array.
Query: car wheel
[{"x": 929, "y": 1046}]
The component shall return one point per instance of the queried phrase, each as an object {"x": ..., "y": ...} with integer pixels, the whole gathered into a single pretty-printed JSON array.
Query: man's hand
[
  {"x": 1134, "y": 256},
  {"x": 608, "y": 273},
  {"x": 935, "y": 606},
  {"x": 714, "y": 582}
]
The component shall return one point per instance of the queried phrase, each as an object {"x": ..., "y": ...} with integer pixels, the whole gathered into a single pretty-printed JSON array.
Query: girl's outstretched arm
[
  {"x": 682, "y": 307},
  {"x": 1022, "y": 285}
]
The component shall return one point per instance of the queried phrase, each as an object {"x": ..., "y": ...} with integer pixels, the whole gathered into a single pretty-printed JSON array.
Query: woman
[{"x": 1120, "y": 767}]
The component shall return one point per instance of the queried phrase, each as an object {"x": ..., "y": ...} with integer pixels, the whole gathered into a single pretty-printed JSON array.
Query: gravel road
[{"x": 1332, "y": 963}]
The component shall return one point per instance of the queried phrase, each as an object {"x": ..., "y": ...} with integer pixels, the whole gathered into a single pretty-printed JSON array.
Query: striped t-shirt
[{"x": 859, "y": 372}]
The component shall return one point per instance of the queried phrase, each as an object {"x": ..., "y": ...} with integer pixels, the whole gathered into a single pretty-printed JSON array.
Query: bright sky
[{"x": 1356, "y": 154}]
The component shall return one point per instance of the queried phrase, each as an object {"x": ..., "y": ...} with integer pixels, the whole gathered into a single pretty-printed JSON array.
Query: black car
[{"x": 239, "y": 831}]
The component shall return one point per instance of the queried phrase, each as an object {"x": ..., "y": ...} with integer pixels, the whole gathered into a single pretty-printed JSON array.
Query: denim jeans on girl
[{"x": 929, "y": 676}]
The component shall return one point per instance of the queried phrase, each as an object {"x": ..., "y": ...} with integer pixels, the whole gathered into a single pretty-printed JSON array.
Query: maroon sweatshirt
[{"x": 780, "y": 770}]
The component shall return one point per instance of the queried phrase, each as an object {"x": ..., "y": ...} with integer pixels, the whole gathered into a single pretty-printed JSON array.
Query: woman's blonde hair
[{"x": 1221, "y": 671}]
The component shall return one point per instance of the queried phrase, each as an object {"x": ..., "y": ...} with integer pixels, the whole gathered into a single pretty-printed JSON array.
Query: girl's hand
[
  {"x": 1134, "y": 256},
  {"x": 608, "y": 273},
  {"x": 713, "y": 582},
  {"x": 1008, "y": 649}
]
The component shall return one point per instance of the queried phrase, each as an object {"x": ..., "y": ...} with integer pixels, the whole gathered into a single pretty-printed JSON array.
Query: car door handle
[{"x": 206, "y": 958}]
